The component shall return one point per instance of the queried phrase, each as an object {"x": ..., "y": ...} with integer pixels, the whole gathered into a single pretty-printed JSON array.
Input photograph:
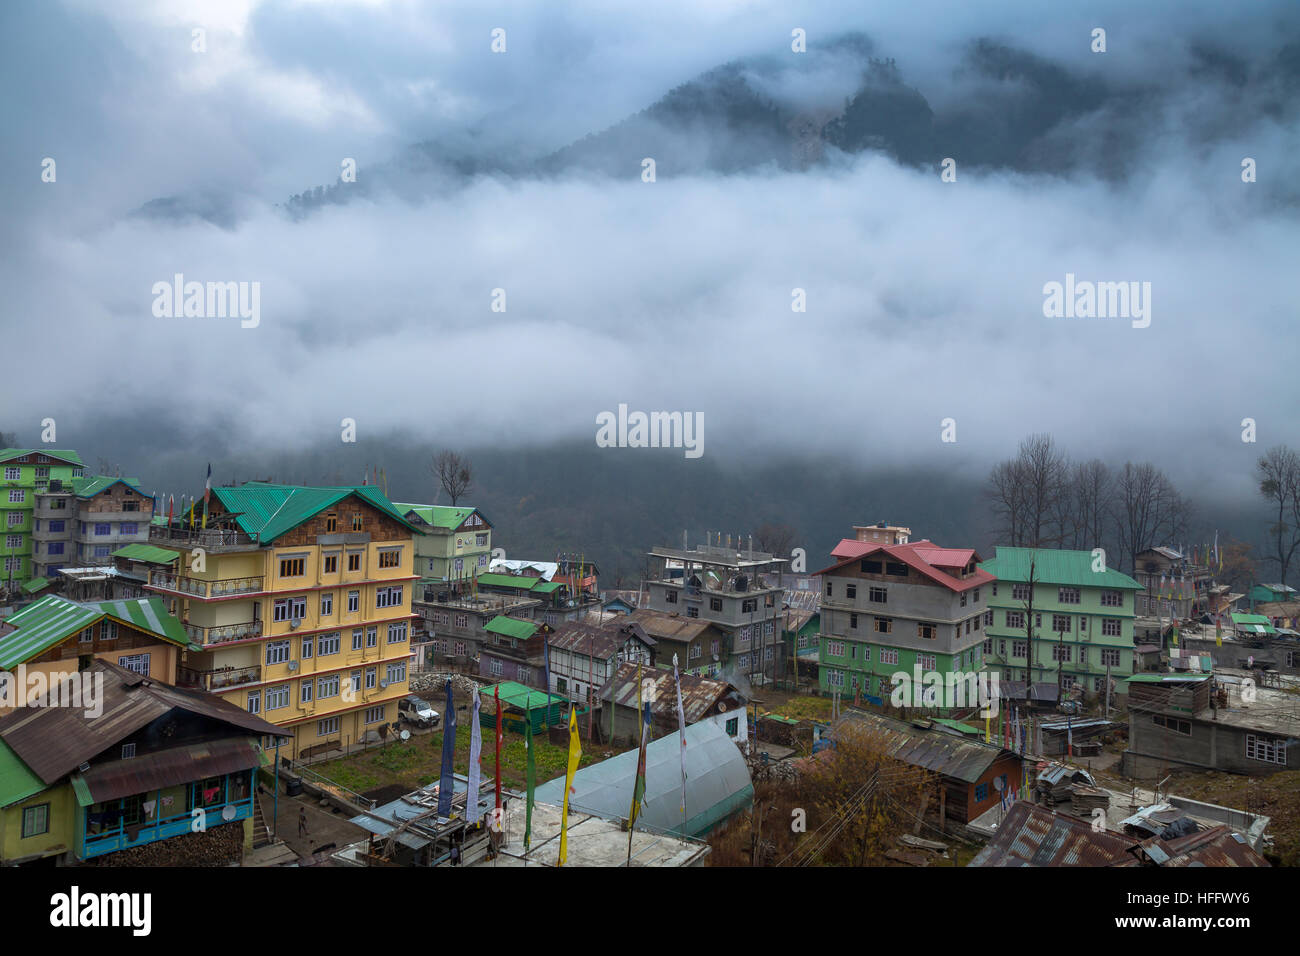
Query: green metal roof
[
  {"x": 17, "y": 782},
  {"x": 507, "y": 581},
  {"x": 62, "y": 455},
  {"x": 1052, "y": 566},
  {"x": 958, "y": 725},
  {"x": 53, "y": 619},
  {"x": 520, "y": 696},
  {"x": 266, "y": 511},
  {"x": 35, "y": 584},
  {"x": 546, "y": 587},
  {"x": 1165, "y": 678},
  {"x": 446, "y": 517},
  {"x": 147, "y": 552},
  {"x": 511, "y": 627},
  {"x": 92, "y": 485}
]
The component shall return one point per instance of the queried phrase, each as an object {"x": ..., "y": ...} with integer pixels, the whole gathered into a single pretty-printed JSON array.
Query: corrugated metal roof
[
  {"x": 1035, "y": 836},
  {"x": 17, "y": 782},
  {"x": 35, "y": 584},
  {"x": 511, "y": 627},
  {"x": 913, "y": 555},
  {"x": 933, "y": 750},
  {"x": 51, "y": 620},
  {"x": 517, "y": 582},
  {"x": 446, "y": 517},
  {"x": 669, "y": 627},
  {"x": 265, "y": 511},
  {"x": 169, "y": 768},
  {"x": 717, "y": 782},
  {"x": 54, "y": 741},
  {"x": 146, "y": 552},
  {"x": 1053, "y": 566},
  {"x": 699, "y": 694},
  {"x": 54, "y": 454},
  {"x": 92, "y": 485},
  {"x": 520, "y": 696},
  {"x": 600, "y": 641}
]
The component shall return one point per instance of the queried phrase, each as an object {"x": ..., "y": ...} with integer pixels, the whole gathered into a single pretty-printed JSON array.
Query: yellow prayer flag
[{"x": 575, "y": 752}]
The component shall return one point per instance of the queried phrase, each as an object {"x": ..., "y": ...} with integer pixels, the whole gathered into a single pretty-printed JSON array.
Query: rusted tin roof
[
  {"x": 169, "y": 768},
  {"x": 1217, "y": 846},
  {"x": 601, "y": 641},
  {"x": 54, "y": 741},
  {"x": 699, "y": 694},
  {"x": 934, "y": 750},
  {"x": 669, "y": 627},
  {"x": 1036, "y": 836}
]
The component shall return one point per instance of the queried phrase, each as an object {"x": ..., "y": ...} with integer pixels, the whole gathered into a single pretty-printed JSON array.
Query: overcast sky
[{"x": 924, "y": 298}]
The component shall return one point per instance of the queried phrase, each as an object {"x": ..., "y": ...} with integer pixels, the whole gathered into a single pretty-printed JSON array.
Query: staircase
[{"x": 261, "y": 832}]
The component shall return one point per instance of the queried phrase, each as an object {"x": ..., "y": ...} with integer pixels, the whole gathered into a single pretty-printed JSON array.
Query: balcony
[
  {"x": 210, "y": 539},
  {"x": 91, "y": 517},
  {"x": 200, "y": 588},
  {"x": 101, "y": 838},
  {"x": 225, "y": 633},
  {"x": 218, "y": 679}
]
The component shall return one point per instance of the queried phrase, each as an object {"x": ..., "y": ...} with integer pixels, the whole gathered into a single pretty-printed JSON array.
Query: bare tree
[
  {"x": 107, "y": 468},
  {"x": 8, "y": 439},
  {"x": 454, "y": 473},
  {"x": 1148, "y": 510},
  {"x": 1028, "y": 493},
  {"x": 1006, "y": 497},
  {"x": 1090, "y": 492},
  {"x": 1278, "y": 472},
  {"x": 774, "y": 539}
]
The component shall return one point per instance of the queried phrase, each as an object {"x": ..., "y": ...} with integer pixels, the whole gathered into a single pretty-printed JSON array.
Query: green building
[
  {"x": 27, "y": 473},
  {"x": 455, "y": 543},
  {"x": 1082, "y": 627}
]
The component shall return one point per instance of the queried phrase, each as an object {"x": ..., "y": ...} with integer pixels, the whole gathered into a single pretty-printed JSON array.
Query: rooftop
[
  {"x": 736, "y": 559},
  {"x": 924, "y": 557},
  {"x": 1054, "y": 566}
]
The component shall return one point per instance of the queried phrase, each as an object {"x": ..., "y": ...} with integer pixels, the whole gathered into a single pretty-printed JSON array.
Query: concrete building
[
  {"x": 1073, "y": 625},
  {"x": 889, "y": 609},
  {"x": 584, "y": 655},
  {"x": 514, "y": 650},
  {"x": 455, "y": 624},
  {"x": 454, "y": 542},
  {"x": 699, "y": 646},
  {"x": 722, "y": 586},
  {"x": 28, "y": 472},
  {"x": 80, "y": 523},
  {"x": 1209, "y": 722},
  {"x": 1172, "y": 585}
]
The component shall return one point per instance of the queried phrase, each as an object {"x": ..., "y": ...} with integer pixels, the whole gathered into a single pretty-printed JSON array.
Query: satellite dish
[
  {"x": 228, "y": 812},
  {"x": 406, "y": 735},
  {"x": 722, "y": 706},
  {"x": 997, "y": 784}
]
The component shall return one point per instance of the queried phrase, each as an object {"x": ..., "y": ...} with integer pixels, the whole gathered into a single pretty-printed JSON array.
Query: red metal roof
[{"x": 916, "y": 555}]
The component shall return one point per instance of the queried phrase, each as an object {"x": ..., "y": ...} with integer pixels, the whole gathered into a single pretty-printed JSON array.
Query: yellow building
[{"x": 300, "y": 600}]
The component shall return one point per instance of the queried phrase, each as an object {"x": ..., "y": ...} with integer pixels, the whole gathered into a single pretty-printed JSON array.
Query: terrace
[{"x": 200, "y": 588}]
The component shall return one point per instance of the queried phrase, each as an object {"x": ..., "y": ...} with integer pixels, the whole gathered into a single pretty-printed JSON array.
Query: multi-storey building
[
  {"x": 26, "y": 473},
  {"x": 454, "y": 544},
  {"x": 1075, "y": 621},
  {"x": 455, "y": 625},
  {"x": 1175, "y": 587},
  {"x": 888, "y": 609},
  {"x": 300, "y": 599},
  {"x": 717, "y": 584},
  {"x": 583, "y": 656},
  {"x": 82, "y": 522}
]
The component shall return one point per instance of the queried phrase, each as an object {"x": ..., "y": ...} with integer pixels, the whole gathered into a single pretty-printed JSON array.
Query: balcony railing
[
  {"x": 224, "y": 633},
  {"x": 211, "y": 539},
  {"x": 198, "y": 587},
  {"x": 120, "y": 836},
  {"x": 221, "y": 678}
]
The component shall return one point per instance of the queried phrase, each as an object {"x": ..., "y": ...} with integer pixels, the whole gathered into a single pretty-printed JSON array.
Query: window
[
  {"x": 975, "y": 596},
  {"x": 129, "y": 528},
  {"x": 480, "y": 540},
  {"x": 254, "y": 701},
  {"x": 851, "y": 591},
  {"x": 494, "y": 667},
  {"x": 927, "y": 661},
  {"x": 877, "y": 595},
  {"x": 372, "y": 637},
  {"x": 375, "y": 715},
  {"x": 277, "y": 697},
  {"x": 1062, "y": 652},
  {"x": 853, "y": 621},
  {"x": 57, "y": 527},
  {"x": 36, "y": 820},
  {"x": 355, "y": 677},
  {"x": 330, "y": 725},
  {"x": 884, "y": 625},
  {"x": 988, "y": 646},
  {"x": 396, "y": 673},
  {"x": 306, "y": 687},
  {"x": 1068, "y": 595},
  {"x": 896, "y": 568},
  {"x": 327, "y": 604},
  {"x": 331, "y": 563},
  {"x": 988, "y": 618},
  {"x": 695, "y": 652},
  {"x": 391, "y": 558},
  {"x": 835, "y": 678},
  {"x": 136, "y": 663},
  {"x": 370, "y": 677},
  {"x": 1111, "y": 627},
  {"x": 356, "y": 639},
  {"x": 692, "y": 611},
  {"x": 1183, "y": 727},
  {"x": 1019, "y": 648},
  {"x": 327, "y": 644},
  {"x": 327, "y": 686},
  {"x": 460, "y": 649},
  {"x": 462, "y": 620},
  {"x": 1267, "y": 749},
  {"x": 13, "y": 474},
  {"x": 672, "y": 597},
  {"x": 1110, "y": 657},
  {"x": 101, "y": 550},
  {"x": 331, "y": 523},
  {"x": 54, "y": 547},
  {"x": 16, "y": 540},
  {"x": 86, "y": 636},
  {"x": 926, "y": 632},
  {"x": 103, "y": 528},
  {"x": 396, "y": 633},
  {"x": 715, "y": 604},
  {"x": 277, "y": 652},
  {"x": 354, "y": 561},
  {"x": 354, "y": 602},
  {"x": 15, "y": 518},
  {"x": 1060, "y": 623},
  {"x": 357, "y": 524},
  {"x": 523, "y": 674},
  {"x": 714, "y": 647},
  {"x": 888, "y": 655},
  {"x": 17, "y": 496},
  {"x": 749, "y": 606},
  {"x": 290, "y": 609},
  {"x": 307, "y": 645},
  {"x": 830, "y": 589},
  {"x": 1112, "y": 598},
  {"x": 108, "y": 630},
  {"x": 388, "y": 597},
  {"x": 835, "y": 648},
  {"x": 1020, "y": 592},
  {"x": 981, "y": 792},
  {"x": 733, "y": 726},
  {"x": 963, "y": 599}
]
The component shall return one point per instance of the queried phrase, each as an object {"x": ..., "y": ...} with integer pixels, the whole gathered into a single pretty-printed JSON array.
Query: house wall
[
  {"x": 17, "y": 504},
  {"x": 1211, "y": 745},
  {"x": 60, "y": 838}
]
